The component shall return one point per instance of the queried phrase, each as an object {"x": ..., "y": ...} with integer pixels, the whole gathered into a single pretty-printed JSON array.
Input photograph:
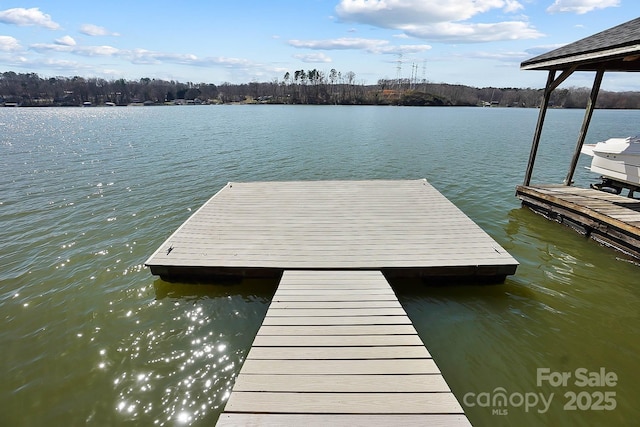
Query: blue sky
[{"x": 473, "y": 42}]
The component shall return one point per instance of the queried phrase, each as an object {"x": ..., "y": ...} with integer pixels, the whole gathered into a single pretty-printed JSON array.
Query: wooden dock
[
  {"x": 337, "y": 348},
  {"x": 610, "y": 219},
  {"x": 264, "y": 228}
]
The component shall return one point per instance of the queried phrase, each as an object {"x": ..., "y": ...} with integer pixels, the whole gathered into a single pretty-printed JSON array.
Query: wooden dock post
[
  {"x": 591, "y": 105},
  {"x": 552, "y": 84}
]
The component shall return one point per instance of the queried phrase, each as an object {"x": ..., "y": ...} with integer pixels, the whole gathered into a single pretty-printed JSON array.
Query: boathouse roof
[{"x": 615, "y": 49}]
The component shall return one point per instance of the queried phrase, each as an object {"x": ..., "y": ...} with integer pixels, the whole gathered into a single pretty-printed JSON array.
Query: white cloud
[
  {"x": 111, "y": 72},
  {"x": 455, "y": 32},
  {"x": 512, "y": 6},
  {"x": 406, "y": 48},
  {"x": 77, "y": 50},
  {"x": 439, "y": 19},
  {"x": 28, "y": 17},
  {"x": 143, "y": 56},
  {"x": 46, "y": 47},
  {"x": 313, "y": 58},
  {"x": 98, "y": 51},
  {"x": 390, "y": 13},
  {"x": 339, "y": 44},
  {"x": 139, "y": 56},
  {"x": 500, "y": 56},
  {"x": 539, "y": 50},
  {"x": 9, "y": 44},
  {"x": 66, "y": 41},
  {"x": 581, "y": 6},
  {"x": 367, "y": 45},
  {"x": 62, "y": 63},
  {"x": 94, "y": 30},
  {"x": 49, "y": 63}
]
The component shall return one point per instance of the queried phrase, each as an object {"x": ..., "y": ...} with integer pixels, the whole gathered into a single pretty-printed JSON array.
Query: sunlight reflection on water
[{"x": 191, "y": 358}]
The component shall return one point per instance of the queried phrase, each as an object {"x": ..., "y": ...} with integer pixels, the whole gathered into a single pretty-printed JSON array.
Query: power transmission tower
[
  {"x": 414, "y": 75},
  {"x": 399, "y": 70},
  {"x": 424, "y": 74}
]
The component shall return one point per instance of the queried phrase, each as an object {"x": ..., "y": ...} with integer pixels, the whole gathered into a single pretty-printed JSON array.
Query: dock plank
[
  {"x": 372, "y": 383},
  {"x": 337, "y": 290},
  {"x": 333, "y": 312},
  {"x": 370, "y": 329},
  {"x": 340, "y": 296},
  {"x": 341, "y": 420},
  {"x": 339, "y": 366},
  {"x": 371, "y": 352},
  {"x": 336, "y": 320},
  {"x": 337, "y": 340},
  {"x": 344, "y": 403},
  {"x": 368, "y": 304}
]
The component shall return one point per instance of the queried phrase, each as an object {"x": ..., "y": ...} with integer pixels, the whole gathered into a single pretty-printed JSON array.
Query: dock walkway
[
  {"x": 610, "y": 219},
  {"x": 337, "y": 348}
]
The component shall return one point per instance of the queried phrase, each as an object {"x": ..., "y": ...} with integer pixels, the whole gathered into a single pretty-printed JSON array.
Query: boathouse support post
[
  {"x": 552, "y": 84},
  {"x": 538, "y": 132},
  {"x": 591, "y": 104}
]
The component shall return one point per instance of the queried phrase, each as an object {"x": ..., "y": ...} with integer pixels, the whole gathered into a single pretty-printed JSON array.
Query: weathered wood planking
[
  {"x": 344, "y": 320},
  {"x": 343, "y": 403},
  {"x": 611, "y": 219},
  {"x": 376, "y": 383},
  {"x": 333, "y": 366},
  {"x": 337, "y": 340},
  {"x": 379, "y": 352},
  {"x": 367, "y": 369},
  {"x": 339, "y": 420},
  {"x": 374, "y": 225}
]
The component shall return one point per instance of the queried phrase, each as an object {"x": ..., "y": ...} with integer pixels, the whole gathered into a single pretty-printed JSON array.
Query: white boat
[{"x": 617, "y": 160}]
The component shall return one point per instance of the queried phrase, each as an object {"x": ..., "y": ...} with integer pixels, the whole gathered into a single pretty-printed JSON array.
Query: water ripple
[{"x": 86, "y": 195}]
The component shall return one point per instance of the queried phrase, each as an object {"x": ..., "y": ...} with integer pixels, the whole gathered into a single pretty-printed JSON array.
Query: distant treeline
[{"x": 300, "y": 87}]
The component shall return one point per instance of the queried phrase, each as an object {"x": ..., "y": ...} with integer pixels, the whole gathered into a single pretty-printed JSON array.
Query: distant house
[{"x": 390, "y": 93}]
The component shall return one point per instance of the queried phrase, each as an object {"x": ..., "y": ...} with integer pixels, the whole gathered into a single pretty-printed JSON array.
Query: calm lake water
[{"x": 89, "y": 337}]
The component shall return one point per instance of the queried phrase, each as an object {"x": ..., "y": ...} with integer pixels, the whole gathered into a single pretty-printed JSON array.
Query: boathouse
[{"x": 611, "y": 219}]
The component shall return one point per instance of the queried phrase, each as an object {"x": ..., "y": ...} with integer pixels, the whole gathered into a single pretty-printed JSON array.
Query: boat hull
[{"x": 617, "y": 159}]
